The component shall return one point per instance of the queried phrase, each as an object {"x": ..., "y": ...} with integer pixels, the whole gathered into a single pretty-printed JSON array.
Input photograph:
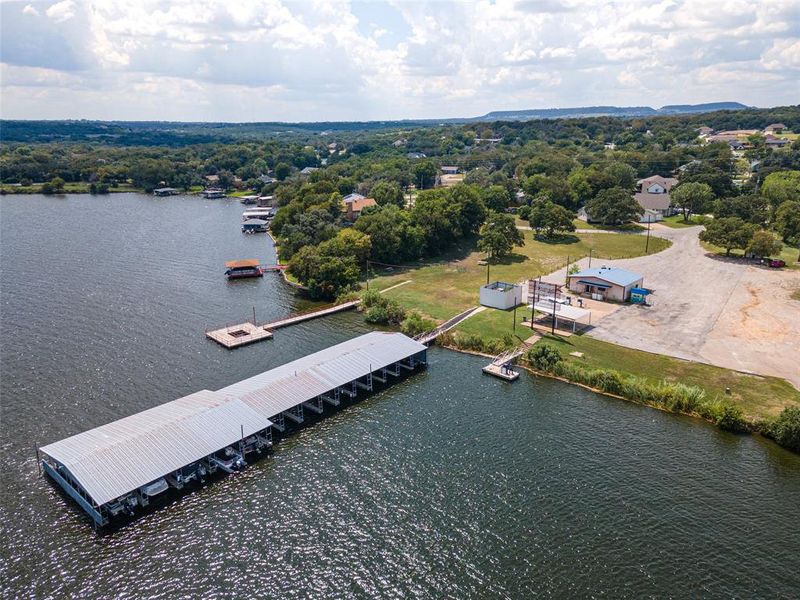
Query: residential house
[
  {"x": 652, "y": 194},
  {"x": 605, "y": 283},
  {"x": 352, "y": 210},
  {"x": 399, "y": 143},
  {"x": 308, "y": 170},
  {"x": 775, "y": 128},
  {"x": 352, "y": 197},
  {"x": 705, "y": 131},
  {"x": 212, "y": 178},
  {"x": 449, "y": 170},
  {"x": 774, "y": 142},
  {"x": 415, "y": 155}
]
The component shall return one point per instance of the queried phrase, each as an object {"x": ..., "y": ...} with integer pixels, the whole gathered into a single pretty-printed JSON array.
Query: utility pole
[
  {"x": 533, "y": 301},
  {"x": 553, "y": 330},
  {"x": 590, "y": 258},
  {"x": 514, "y": 326},
  {"x": 487, "y": 271},
  {"x": 566, "y": 277},
  {"x": 367, "y": 275},
  {"x": 647, "y": 243}
]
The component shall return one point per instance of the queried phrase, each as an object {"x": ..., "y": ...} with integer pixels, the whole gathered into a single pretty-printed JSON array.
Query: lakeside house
[
  {"x": 352, "y": 197},
  {"x": 352, "y": 210},
  {"x": 267, "y": 179},
  {"x": 605, "y": 283},
  {"x": 652, "y": 194},
  {"x": 213, "y": 193},
  {"x": 165, "y": 191},
  {"x": 212, "y": 179}
]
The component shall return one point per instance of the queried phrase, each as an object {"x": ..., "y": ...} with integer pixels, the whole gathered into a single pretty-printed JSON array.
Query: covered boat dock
[{"x": 115, "y": 468}]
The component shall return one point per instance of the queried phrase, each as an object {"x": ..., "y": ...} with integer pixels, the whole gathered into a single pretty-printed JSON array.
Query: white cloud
[
  {"x": 290, "y": 60},
  {"x": 61, "y": 11}
]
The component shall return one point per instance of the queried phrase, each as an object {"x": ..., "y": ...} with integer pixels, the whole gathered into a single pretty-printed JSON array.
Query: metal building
[{"x": 113, "y": 469}]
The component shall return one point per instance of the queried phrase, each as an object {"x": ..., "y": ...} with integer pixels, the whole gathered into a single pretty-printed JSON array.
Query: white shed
[{"x": 501, "y": 295}]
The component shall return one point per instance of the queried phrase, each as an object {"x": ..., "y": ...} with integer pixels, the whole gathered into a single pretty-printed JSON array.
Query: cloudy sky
[{"x": 259, "y": 60}]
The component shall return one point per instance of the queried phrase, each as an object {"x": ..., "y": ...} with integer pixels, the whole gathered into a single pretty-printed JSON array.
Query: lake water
[{"x": 449, "y": 484}]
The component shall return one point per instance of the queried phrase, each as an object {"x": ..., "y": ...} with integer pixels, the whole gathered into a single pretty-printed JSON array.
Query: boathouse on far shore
[{"x": 115, "y": 468}]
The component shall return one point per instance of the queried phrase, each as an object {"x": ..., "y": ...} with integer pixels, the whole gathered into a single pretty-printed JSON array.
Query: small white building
[
  {"x": 605, "y": 283},
  {"x": 501, "y": 295}
]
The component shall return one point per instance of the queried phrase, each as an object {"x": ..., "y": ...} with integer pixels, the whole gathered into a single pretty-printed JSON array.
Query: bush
[
  {"x": 730, "y": 418},
  {"x": 414, "y": 324},
  {"x": 382, "y": 311},
  {"x": 370, "y": 298},
  {"x": 786, "y": 428},
  {"x": 544, "y": 357}
]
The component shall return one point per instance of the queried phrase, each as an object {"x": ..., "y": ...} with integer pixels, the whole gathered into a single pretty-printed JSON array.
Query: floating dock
[
  {"x": 239, "y": 335},
  {"x": 115, "y": 469},
  {"x": 242, "y": 334}
]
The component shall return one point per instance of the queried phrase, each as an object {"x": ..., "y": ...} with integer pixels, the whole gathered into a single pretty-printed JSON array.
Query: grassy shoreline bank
[{"x": 724, "y": 419}]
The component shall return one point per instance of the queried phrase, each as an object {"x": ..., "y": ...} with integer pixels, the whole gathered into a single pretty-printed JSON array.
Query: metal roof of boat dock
[
  {"x": 114, "y": 459},
  {"x": 303, "y": 379}
]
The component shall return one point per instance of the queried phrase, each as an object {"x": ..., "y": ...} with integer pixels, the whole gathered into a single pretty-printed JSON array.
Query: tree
[
  {"x": 729, "y": 233},
  {"x": 348, "y": 242},
  {"x": 54, "y": 186},
  {"x": 690, "y": 198},
  {"x": 282, "y": 171},
  {"x": 763, "y": 244},
  {"x": 550, "y": 218},
  {"x": 496, "y": 197},
  {"x": 787, "y": 221},
  {"x": 386, "y": 192},
  {"x": 424, "y": 174},
  {"x": 614, "y": 206},
  {"x": 393, "y": 235},
  {"x": 621, "y": 175},
  {"x": 750, "y": 207},
  {"x": 471, "y": 210},
  {"x": 499, "y": 235},
  {"x": 324, "y": 276},
  {"x": 781, "y": 186}
]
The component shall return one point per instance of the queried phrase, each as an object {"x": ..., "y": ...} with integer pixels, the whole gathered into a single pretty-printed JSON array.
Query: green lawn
[
  {"x": 580, "y": 224},
  {"x": 676, "y": 221},
  {"x": 757, "y": 396},
  {"x": 240, "y": 193},
  {"x": 448, "y": 287}
]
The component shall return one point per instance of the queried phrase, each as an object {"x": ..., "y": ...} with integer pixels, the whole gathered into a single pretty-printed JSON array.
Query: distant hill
[{"x": 606, "y": 111}]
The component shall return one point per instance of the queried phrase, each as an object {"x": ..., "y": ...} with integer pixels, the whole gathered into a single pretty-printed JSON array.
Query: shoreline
[{"x": 752, "y": 427}]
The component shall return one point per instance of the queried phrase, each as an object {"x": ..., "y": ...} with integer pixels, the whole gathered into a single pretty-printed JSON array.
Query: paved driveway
[{"x": 724, "y": 312}]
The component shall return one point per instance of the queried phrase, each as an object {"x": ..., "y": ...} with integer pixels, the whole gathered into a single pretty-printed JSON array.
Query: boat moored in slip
[{"x": 239, "y": 269}]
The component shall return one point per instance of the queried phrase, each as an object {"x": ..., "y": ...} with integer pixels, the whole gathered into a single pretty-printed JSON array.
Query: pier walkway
[{"x": 429, "y": 336}]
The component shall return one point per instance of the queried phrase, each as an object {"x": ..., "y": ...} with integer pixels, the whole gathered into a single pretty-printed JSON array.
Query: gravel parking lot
[{"x": 715, "y": 310}]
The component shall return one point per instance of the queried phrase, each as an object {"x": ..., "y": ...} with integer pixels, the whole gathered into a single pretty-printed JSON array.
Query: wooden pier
[
  {"x": 242, "y": 334},
  {"x": 239, "y": 335}
]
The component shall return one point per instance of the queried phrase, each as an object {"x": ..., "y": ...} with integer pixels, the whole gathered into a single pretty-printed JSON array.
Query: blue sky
[{"x": 258, "y": 60}]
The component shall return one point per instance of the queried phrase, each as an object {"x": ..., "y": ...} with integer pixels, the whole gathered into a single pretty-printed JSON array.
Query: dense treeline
[{"x": 546, "y": 170}]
